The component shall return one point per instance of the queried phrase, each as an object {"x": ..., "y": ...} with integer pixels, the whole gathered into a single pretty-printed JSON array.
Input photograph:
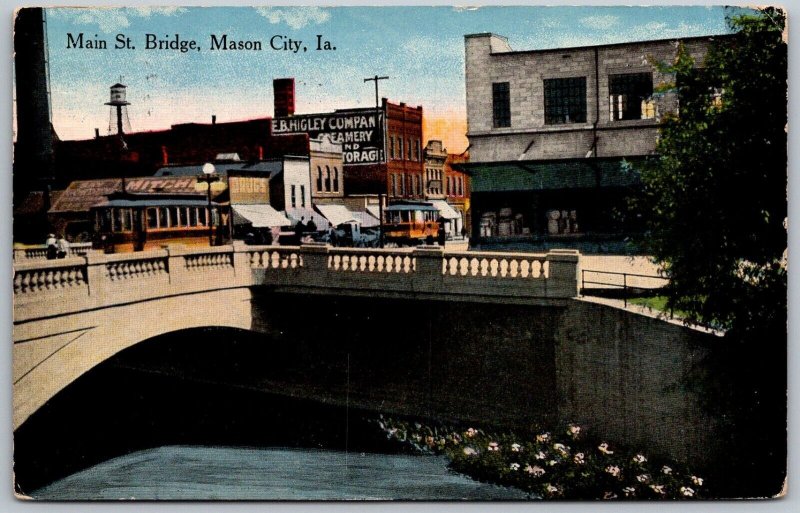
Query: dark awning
[{"x": 533, "y": 175}]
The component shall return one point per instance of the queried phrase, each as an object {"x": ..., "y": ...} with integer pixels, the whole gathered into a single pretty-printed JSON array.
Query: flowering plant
[{"x": 549, "y": 465}]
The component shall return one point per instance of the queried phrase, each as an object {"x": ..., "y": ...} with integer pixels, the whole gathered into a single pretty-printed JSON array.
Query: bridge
[
  {"x": 71, "y": 314},
  {"x": 476, "y": 336}
]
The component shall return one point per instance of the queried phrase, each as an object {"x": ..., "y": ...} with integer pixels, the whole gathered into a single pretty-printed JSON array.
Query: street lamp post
[{"x": 208, "y": 177}]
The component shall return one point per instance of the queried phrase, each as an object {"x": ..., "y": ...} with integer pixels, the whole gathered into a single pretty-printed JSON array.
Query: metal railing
[{"x": 627, "y": 286}]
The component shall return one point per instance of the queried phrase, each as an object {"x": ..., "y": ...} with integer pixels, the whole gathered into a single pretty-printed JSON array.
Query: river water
[{"x": 227, "y": 473}]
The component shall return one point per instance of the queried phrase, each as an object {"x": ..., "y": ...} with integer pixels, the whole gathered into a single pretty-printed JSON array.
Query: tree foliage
[
  {"x": 715, "y": 199},
  {"x": 715, "y": 205}
]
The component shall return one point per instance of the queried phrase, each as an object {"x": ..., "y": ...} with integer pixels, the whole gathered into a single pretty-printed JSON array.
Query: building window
[
  {"x": 501, "y": 104},
  {"x": 391, "y": 146},
  {"x": 302, "y": 195},
  {"x": 565, "y": 100},
  {"x": 394, "y": 185},
  {"x": 419, "y": 150},
  {"x": 628, "y": 96},
  {"x": 335, "y": 179},
  {"x": 327, "y": 179},
  {"x": 402, "y": 179},
  {"x": 409, "y": 153},
  {"x": 294, "y": 197},
  {"x": 319, "y": 179},
  {"x": 400, "y": 147}
]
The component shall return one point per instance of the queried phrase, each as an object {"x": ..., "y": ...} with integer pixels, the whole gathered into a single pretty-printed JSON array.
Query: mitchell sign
[{"x": 360, "y": 133}]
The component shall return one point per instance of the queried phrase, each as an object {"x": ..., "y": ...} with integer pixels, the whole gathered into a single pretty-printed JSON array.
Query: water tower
[{"x": 118, "y": 101}]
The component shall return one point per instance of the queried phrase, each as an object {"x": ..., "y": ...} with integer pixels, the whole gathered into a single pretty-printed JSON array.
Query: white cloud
[
  {"x": 110, "y": 20},
  {"x": 599, "y": 22},
  {"x": 295, "y": 17}
]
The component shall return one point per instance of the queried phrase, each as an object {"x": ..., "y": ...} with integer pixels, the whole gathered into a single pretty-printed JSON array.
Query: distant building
[
  {"x": 327, "y": 171},
  {"x": 382, "y": 150},
  {"x": 447, "y": 188},
  {"x": 554, "y": 135},
  {"x": 435, "y": 155}
]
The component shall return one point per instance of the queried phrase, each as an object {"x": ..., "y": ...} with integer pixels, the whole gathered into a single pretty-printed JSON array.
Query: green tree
[{"x": 715, "y": 207}]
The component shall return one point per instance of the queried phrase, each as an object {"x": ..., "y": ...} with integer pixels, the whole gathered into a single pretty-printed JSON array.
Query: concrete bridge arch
[{"x": 51, "y": 353}]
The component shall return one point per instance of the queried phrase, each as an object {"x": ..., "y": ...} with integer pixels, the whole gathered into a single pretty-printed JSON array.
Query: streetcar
[{"x": 410, "y": 224}]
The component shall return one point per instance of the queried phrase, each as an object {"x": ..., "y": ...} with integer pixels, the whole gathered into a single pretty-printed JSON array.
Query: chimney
[
  {"x": 164, "y": 156},
  {"x": 213, "y": 119},
  {"x": 97, "y": 133},
  {"x": 283, "y": 91}
]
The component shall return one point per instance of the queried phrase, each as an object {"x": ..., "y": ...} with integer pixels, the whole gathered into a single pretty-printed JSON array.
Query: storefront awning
[
  {"x": 445, "y": 210},
  {"x": 336, "y": 214},
  {"x": 539, "y": 175},
  {"x": 260, "y": 216},
  {"x": 366, "y": 219}
]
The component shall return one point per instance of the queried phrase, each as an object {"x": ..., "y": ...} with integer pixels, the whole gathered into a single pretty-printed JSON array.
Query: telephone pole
[{"x": 375, "y": 79}]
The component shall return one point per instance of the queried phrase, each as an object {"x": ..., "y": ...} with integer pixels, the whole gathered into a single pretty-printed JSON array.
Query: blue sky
[{"x": 420, "y": 48}]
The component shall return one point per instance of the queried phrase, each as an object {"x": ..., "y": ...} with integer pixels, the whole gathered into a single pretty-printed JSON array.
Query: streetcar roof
[{"x": 405, "y": 208}]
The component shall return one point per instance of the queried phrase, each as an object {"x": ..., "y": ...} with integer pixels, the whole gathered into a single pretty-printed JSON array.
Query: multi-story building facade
[
  {"x": 457, "y": 190},
  {"x": 326, "y": 168},
  {"x": 435, "y": 155},
  {"x": 404, "y": 162},
  {"x": 555, "y": 135}
]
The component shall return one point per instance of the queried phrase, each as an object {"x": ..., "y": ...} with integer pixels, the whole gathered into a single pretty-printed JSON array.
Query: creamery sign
[{"x": 359, "y": 132}]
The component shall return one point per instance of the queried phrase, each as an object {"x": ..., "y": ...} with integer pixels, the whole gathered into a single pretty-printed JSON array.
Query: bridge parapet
[
  {"x": 49, "y": 288},
  {"x": 423, "y": 272}
]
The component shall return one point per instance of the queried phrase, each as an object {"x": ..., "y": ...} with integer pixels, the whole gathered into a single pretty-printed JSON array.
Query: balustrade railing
[
  {"x": 40, "y": 252},
  {"x": 496, "y": 265},
  {"x": 67, "y": 274},
  {"x": 371, "y": 260},
  {"x": 98, "y": 278}
]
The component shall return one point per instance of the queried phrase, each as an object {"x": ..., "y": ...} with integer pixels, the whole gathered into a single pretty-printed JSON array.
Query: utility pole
[{"x": 375, "y": 79}]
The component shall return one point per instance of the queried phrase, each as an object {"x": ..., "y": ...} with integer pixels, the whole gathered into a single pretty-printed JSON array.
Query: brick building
[{"x": 555, "y": 135}]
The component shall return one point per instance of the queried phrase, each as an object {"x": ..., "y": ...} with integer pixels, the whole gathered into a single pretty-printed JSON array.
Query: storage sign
[{"x": 360, "y": 133}]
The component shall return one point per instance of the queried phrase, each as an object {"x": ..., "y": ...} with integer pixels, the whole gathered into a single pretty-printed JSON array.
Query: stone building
[{"x": 555, "y": 135}]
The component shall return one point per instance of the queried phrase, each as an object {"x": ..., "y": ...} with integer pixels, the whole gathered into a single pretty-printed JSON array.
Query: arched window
[
  {"x": 335, "y": 179},
  {"x": 319, "y": 179},
  {"x": 327, "y": 179}
]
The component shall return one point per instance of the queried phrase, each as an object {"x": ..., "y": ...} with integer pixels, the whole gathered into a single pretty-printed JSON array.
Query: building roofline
[
  {"x": 485, "y": 34},
  {"x": 611, "y": 45},
  {"x": 469, "y": 166}
]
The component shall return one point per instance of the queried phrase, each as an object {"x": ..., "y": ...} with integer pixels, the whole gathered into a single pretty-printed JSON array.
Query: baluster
[
  {"x": 513, "y": 268},
  {"x": 371, "y": 262},
  {"x": 474, "y": 267},
  {"x": 463, "y": 266}
]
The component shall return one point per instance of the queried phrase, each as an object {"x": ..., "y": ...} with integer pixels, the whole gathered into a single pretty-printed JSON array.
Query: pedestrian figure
[
  {"x": 441, "y": 234},
  {"x": 63, "y": 247},
  {"x": 51, "y": 245},
  {"x": 311, "y": 226}
]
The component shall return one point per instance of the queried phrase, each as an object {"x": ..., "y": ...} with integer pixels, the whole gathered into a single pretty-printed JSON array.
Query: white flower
[
  {"x": 514, "y": 466},
  {"x": 469, "y": 451},
  {"x": 471, "y": 432},
  {"x": 609, "y": 495},
  {"x": 552, "y": 489},
  {"x": 561, "y": 448},
  {"x": 516, "y": 448},
  {"x": 552, "y": 462},
  {"x": 573, "y": 430},
  {"x": 613, "y": 470},
  {"x": 544, "y": 437},
  {"x": 603, "y": 447},
  {"x": 643, "y": 478},
  {"x": 540, "y": 455},
  {"x": 578, "y": 459},
  {"x": 666, "y": 470},
  {"x": 697, "y": 480},
  {"x": 493, "y": 446},
  {"x": 639, "y": 458},
  {"x": 629, "y": 491},
  {"x": 686, "y": 491},
  {"x": 535, "y": 471},
  {"x": 658, "y": 489}
]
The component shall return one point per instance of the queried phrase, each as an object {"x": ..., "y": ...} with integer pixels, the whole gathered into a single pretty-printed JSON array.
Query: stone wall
[{"x": 638, "y": 380}]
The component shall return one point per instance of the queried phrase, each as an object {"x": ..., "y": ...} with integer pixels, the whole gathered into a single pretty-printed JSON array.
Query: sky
[{"x": 421, "y": 49}]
